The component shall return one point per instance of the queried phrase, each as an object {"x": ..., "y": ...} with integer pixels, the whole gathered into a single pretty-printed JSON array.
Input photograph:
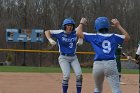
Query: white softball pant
[
  {"x": 109, "y": 70},
  {"x": 66, "y": 62}
]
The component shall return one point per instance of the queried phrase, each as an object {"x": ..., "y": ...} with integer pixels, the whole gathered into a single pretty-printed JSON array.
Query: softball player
[
  {"x": 118, "y": 54},
  {"x": 66, "y": 40},
  {"x": 105, "y": 45},
  {"x": 137, "y": 59},
  {"x": 137, "y": 56}
]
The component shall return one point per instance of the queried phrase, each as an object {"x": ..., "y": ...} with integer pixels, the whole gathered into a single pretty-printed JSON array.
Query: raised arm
[
  {"x": 116, "y": 24},
  {"x": 48, "y": 36},
  {"x": 79, "y": 32}
]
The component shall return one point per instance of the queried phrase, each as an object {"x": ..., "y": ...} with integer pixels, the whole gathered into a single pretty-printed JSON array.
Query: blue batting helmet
[
  {"x": 101, "y": 22},
  {"x": 68, "y": 21}
]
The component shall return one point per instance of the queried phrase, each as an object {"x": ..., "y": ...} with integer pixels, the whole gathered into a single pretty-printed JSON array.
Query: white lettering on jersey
[
  {"x": 106, "y": 46},
  {"x": 68, "y": 39},
  {"x": 70, "y": 45}
]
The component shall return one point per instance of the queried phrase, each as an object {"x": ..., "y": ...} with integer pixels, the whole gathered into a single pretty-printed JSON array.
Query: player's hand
[
  {"x": 136, "y": 61},
  {"x": 129, "y": 57},
  {"x": 80, "y": 41},
  {"x": 115, "y": 22},
  {"x": 83, "y": 21},
  {"x": 52, "y": 42}
]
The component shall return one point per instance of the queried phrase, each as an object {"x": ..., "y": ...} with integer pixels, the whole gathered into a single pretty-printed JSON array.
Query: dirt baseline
[{"x": 51, "y": 83}]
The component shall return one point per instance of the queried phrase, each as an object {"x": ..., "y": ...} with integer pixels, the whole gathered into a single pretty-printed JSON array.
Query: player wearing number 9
[
  {"x": 67, "y": 42},
  {"x": 104, "y": 45}
]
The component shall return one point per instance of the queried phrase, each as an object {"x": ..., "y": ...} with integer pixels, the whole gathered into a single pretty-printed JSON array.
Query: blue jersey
[
  {"x": 66, "y": 42},
  {"x": 104, "y": 45}
]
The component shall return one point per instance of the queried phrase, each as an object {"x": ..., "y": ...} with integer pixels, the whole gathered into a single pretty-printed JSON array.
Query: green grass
[
  {"x": 30, "y": 69},
  {"x": 52, "y": 69},
  {"x": 130, "y": 71}
]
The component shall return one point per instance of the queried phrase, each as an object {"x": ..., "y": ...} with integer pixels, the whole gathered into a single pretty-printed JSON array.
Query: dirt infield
[{"x": 51, "y": 83}]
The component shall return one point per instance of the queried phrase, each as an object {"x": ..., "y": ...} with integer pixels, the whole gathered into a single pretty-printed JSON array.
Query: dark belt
[
  {"x": 67, "y": 54},
  {"x": 104, "y": 59}
]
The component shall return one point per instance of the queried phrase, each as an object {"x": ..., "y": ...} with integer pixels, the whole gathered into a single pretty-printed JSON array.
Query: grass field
[{"x": 53, "y": 69}]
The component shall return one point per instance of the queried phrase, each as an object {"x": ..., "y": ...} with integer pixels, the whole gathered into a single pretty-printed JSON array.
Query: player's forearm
[
  {"x": 79, "y": 31},
  {"x": 80, "y": 28},
  {"x": 116, "y": 23},
  {"x": 47, "y": 34},
  {"x": 127, "y": 37}
]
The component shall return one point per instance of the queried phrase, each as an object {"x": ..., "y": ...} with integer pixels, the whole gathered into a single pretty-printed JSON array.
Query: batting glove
[{"x": 52, "y": 42}]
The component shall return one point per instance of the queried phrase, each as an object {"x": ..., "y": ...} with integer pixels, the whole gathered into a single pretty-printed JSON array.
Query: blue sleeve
[
  {"x": 119, "y": 39},
  {"x": 56, "y": 33},
  {"x": 88, "y": 37}
]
